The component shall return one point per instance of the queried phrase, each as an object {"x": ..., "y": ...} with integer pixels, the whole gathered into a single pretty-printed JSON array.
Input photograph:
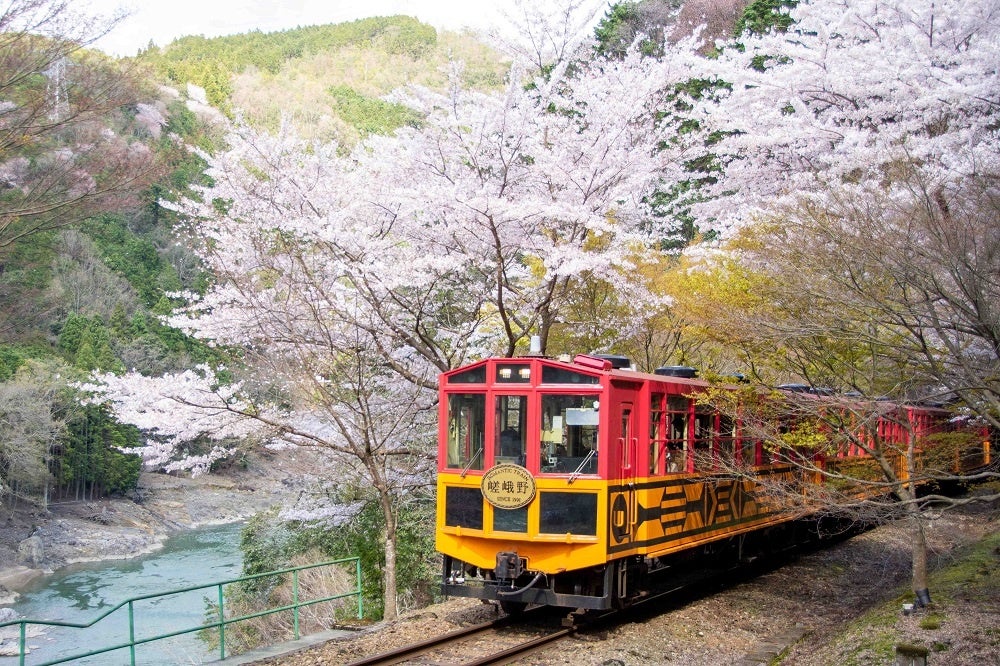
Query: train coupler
[{"x": 509, "y": 566}]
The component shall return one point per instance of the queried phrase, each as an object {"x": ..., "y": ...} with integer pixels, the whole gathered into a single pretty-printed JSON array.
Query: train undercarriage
[
  {"x": 620, "y": 582},
  {"x": 514, "y": 587}
]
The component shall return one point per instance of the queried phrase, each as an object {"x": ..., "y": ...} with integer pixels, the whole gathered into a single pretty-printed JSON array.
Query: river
[{"x": 82, "y": 592}]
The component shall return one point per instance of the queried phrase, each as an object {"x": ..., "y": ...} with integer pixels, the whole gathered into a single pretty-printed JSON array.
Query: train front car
[{"x": 523, "y": 472}]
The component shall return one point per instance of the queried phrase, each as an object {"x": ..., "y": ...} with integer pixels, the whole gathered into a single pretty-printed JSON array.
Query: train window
[
  {"x": 568, "y": 433},
  {"x": 657, "y": 434},
  {"x": 509, "y": 432},
  {"x": 552, "y": 375},
  {"x": 513, "y": 374},
  {"x": 471, "y": 376},
  {"x": 748, "y": 452},
  {"x": 704, "y": 438},
  {"x": 463, "y": 507},
  {"x": 466, "y": 425},
  {"x": 510, "y": 520},
  {"x": 677, "y": 435},
  {"x": 572, "y": 513},
  {"x": 727, "y": 441}
]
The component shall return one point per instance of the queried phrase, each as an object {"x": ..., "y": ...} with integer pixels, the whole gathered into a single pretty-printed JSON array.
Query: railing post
[
  {"x": 222, "y": 624},
  {"x": 295, "y": 602},
  {"x": 24, "y": 641},
  {"x": 131, "y": 632},
  {"x": 357, "y": 579}
]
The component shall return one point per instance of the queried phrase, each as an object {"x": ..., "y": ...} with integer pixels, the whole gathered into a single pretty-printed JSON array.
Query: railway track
[
  {"x": 496, "y": 642},
  {"x": 509, "y": 638}
]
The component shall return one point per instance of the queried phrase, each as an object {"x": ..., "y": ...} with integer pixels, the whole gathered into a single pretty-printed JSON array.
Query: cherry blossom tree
[
  {"x": 850, "y": 89},
  {"x": 865, "y": 137},
  {"x": 540, "y": 35},
  {"x": 547, "y": 183},
  {"x": 345, "y": 282},
  {"x": 861, "y": 159},
  {"x": 295, "y": 252}
]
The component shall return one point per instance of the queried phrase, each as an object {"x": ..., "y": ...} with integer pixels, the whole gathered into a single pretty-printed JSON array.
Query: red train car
[{"x": 565, "y": 482}]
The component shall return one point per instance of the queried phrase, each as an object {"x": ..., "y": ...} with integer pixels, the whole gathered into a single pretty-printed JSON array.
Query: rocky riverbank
[{"x": 36, "y": 541}]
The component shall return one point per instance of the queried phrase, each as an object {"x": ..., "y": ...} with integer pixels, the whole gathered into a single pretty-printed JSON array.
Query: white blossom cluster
[{"x": 851, "y": 88}]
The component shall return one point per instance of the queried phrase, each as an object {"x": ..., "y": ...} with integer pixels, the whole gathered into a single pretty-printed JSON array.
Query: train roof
[
  {"x": 599, "y": 366},
  {"x": 596, "y": 366}
]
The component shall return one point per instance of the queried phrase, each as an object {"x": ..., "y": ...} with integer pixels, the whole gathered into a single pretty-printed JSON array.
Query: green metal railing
[{"x": 220, "y": 623}]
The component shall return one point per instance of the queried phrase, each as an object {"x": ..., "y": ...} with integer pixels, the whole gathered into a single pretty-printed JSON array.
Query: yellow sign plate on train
[{"x": 508, "y": 486}]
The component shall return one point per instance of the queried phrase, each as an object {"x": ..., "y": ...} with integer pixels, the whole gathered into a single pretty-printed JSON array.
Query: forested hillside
[
  {"x": 327, "y": 80},
  {"x": 85, "y": 291}
]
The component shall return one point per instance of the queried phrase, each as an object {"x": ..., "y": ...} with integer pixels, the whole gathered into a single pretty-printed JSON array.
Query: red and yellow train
[{"x": 564, "y": 482}]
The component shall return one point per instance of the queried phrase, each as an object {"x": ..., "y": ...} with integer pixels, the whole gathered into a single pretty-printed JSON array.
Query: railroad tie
[{"x": 771, "y": 648}]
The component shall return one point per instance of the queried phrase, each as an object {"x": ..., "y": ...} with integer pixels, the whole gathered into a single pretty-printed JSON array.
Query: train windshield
[
  {"x": 466, "y": 426},
  {"x": 569, "y": 429},
  {"x": 509, "y": 435}
]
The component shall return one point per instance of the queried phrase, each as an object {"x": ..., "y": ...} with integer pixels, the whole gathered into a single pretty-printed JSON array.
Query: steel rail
[{"x": 457, "y": 636}]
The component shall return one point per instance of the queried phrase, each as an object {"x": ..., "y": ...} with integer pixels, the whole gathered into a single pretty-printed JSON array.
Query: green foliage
[
  {"x": 761, "y": 16},
  {"x": 611, "y": 27},
  {"x": 25, "y": 274},
  {"x": 671, "y": 207},
  {"x": 266, "y": 548},
  {"x": 32, "y": 427},
  {"x": 14, "y": 356},
  {"x": 51, "y": 446},
  {"x": 932, "y": 621},
  {"x": 264, "y": 542},
  {"x": 184, "y": 167},
  {"x": 95, "y": 456},
  {"x": 10, "y": 361},
  {"x": 86, "y": 341},
  {"x": 269, "y": 545},
  {"x": 134, "y": 257},
  {"x": 943, "y": 450},
  {"x": 400, "y": 52},
  {"x": 26, "y": 264},
  {"x": 362, "y": 537},
  {"x": 371, "y": 116},
  {"x": 625, "y": 21},
  {"x": 807, "y": 435}
]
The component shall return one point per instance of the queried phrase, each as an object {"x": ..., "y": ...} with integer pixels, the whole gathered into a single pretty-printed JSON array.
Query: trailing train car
[{"x": 564, "y": 483}]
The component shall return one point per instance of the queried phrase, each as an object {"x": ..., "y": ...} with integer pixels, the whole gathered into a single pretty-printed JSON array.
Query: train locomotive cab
[{"x": 527, "y": 447}]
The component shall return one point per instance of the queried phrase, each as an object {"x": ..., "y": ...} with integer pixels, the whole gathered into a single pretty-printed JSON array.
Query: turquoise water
[{"x": 82, "y": 592}]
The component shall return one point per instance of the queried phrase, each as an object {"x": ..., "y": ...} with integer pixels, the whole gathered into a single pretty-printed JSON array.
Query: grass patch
[
  {"x": 971, "y": 576},
  {"x": 932, "y": 621},
  {"x": 874, "y": 647}
]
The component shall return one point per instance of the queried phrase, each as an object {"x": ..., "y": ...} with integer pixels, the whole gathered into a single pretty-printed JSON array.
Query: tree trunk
[
  {"x": 919, "y": 545},
  {"x": 919, "y": 541},
  {"x": 390, "y": 608}
]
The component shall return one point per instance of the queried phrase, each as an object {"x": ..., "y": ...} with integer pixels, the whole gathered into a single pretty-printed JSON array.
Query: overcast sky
[{"x": 164, "y": 20}]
